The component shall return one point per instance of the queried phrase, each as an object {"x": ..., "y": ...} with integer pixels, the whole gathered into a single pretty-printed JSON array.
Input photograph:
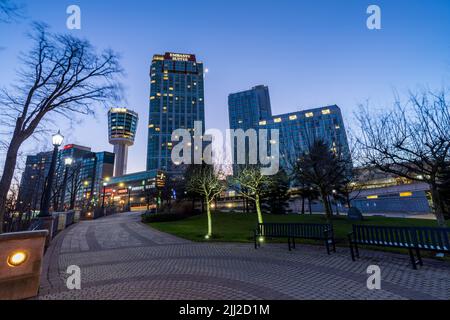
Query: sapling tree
[{"x": 204, "y": 181}]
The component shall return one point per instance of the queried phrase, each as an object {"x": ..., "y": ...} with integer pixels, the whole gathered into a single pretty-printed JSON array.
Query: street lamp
[
  {"x": 57, "y": 140},
  {"x": 129, "y": 198},
  {"x": 104, "y": 194},
  {"x": 67, "y": 162}
]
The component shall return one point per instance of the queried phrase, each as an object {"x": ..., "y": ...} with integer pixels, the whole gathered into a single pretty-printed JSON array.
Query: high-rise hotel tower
[{"x": 176, "y": 101}]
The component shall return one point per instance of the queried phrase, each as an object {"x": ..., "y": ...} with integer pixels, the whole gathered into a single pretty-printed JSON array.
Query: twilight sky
[{"x": 310, "y": 53}]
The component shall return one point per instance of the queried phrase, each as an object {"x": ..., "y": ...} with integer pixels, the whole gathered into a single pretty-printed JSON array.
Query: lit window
[
  {"x": 277, "y": 120},
  {"x": 261, "y": 123},
  {"x": 337, "y": 127},
  {"x": 326, "y": 111},
  {"x": 152, "y": 97},
  {"x": 372, "y": 197},
  {"x": 293, "y": 117},
  {"x": 309, "y": 114},
  {"x": 405, "y": 194}
]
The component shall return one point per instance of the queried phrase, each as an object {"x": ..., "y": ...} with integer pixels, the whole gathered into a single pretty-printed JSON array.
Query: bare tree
[
  {"x": 74, "y": 182},
  {"x": 204, "y": 181},
  {"x": 324, "y": 170},
  {"x": 412, "y": 141},
  {"x": 252, "y": 184},
  {"x": 10, "y": 11},
  {"x": 61, "y": 75}
]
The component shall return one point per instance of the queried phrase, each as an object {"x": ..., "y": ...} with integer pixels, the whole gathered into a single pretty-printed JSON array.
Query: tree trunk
[
  {"x": 258, "y": 209},
  {"x": 309, "y": 205},
  {"x": 349, "y": 203},
  {"x": 8, "y": 173},
  {"x": 328, "y": 212},
  {"x": 208, "y": 213},
  {"x": 437, "y": 206},
  {"x": 303, "y": 205}
]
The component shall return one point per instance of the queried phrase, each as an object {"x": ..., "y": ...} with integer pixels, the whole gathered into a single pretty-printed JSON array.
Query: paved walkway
[{"x": 120, "y": 258}]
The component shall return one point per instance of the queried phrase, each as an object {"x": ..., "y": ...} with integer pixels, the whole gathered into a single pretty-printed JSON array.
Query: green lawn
[{"x": 238, "y": 227}]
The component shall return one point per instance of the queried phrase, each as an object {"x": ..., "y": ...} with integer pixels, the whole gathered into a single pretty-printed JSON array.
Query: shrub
[{"x": 164, "y": 217}]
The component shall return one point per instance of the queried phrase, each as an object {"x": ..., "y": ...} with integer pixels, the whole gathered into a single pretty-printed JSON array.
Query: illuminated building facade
[
  {"x": 176, "y": 101},
  {"x": 122, "y": 124},
  {"x": 140, "y": 190},
  {"x": 299, "y": 130},
  {"x": 246, "y": 109},
  {"x": 33, "y": 180},
  {"x": 97, "y": 167}
]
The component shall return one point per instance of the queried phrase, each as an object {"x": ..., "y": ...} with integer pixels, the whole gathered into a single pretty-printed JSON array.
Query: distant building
[
  {"x": 176, "y": 101},
  {"x": 83, "y": 179},
  {"x": 380, "y": 192},
  {"x": 96, "y": 169},
  {"x": 77, "y": 153},
  {"x": 299, "y": 130},
  {"x": 247, "y": 108},
  {"x": 33, "y": 180},
  {"x": 122, "y": 124},
  {"x": 140, "y": 188}
]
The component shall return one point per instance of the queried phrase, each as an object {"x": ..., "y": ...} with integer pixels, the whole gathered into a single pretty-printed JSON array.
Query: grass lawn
[{"x": 238, "y": 227}]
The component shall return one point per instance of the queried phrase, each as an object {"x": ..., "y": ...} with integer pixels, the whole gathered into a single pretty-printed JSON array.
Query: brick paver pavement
[{"x": 120, "y": 258}]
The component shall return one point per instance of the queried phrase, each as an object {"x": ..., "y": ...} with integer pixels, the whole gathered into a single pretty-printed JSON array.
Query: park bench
[
  {"x": 414, "y": 239},
  {"x": 292, "y": 231}
]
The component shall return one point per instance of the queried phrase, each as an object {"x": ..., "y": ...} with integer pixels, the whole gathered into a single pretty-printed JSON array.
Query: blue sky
[{"x": 309, "y": 53}]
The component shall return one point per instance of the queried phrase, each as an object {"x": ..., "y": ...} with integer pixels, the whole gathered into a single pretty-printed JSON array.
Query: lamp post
[
  {"x": 67, "y": 162},
  {"x": 57, "y": 140},
  {"x": 129, "y": 198},
  {"x": 104, "y": 194}
]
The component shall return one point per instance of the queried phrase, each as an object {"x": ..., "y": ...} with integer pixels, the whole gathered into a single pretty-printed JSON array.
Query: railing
[{"x": 18, "y": 221}]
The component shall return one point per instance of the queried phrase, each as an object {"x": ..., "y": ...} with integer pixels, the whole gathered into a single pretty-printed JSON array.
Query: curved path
[{"x": 120, "y": 258}]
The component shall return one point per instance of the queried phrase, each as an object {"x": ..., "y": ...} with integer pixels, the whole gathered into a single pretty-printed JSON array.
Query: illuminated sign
[
  {"x": 179, "y": 56},
  {"x": 119, "y": 110}
]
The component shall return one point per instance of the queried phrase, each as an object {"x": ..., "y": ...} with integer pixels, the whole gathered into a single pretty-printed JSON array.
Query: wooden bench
[
  {"x": 414, "y": 239},
  {"x": 291, "y": 231}
]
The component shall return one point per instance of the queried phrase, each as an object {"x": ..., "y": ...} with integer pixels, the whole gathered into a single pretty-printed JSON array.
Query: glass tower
[
  {"x": 248, "y": 107},
  {"x": 299, "y": 130},
  {"x": 176, "y": 101},
  {"x": 245, "y": 110}
]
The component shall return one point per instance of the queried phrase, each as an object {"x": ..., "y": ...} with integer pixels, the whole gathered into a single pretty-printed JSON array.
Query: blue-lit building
[
  {"x": 33, "y": 179},
  {"x": 176, "y": 101},
  {"x": 97, "y": 168},
  {"x": 245, "y": 110},
  {"x": 251, "y": 109},
  {"x": 299, "y": 130}
]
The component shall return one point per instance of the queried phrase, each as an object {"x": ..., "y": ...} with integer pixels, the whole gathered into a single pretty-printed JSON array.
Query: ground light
[
  {"x": 17, "y": 258},
  {"x": 261, "y": 239},
  {"x": 207, "y": 237}
]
